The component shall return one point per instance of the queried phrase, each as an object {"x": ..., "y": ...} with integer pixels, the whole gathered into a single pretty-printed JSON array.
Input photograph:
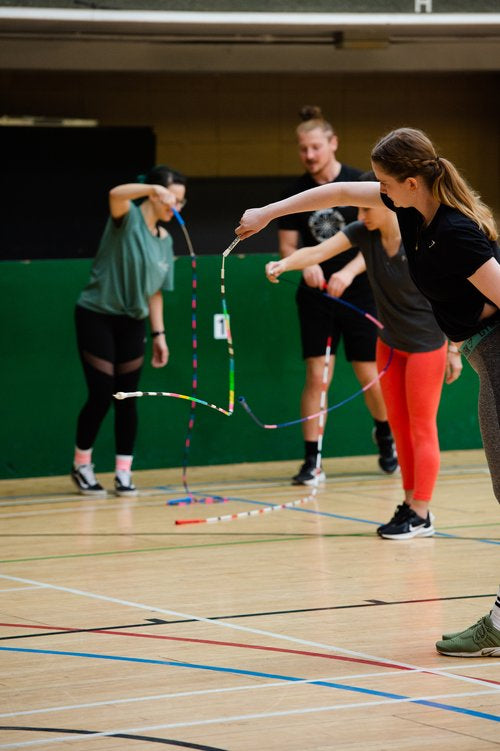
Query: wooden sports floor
[{"x": 296, "y": 630}]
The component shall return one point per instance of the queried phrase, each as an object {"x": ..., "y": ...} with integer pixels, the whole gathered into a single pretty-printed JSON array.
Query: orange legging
[{"x": 412, "y": 390}]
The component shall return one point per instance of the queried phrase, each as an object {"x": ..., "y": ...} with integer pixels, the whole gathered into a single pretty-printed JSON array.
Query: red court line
[{"x": 341, "y": 658}]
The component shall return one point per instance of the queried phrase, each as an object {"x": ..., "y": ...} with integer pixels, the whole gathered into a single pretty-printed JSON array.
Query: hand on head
[{"x": 162, "y": 195}]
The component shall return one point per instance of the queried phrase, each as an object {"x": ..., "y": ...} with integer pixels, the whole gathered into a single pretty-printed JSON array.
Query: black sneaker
[
  {"x": 308, "y": 474},
  {"x": 84, "y": 478},
  {"x": 399, "y": 516},
  {"x": 406, "y": 524},
  {"x": 388, "y": 458},
  {"x": 124, "y": 485}
]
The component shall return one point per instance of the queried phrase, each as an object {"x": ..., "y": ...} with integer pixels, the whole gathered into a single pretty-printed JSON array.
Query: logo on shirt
[
  {"x": 431, "y": 244},
  {"x": 325, "y": 223}
]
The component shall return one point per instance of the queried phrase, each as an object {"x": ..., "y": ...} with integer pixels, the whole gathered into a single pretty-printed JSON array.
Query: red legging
[{"x": 412, "y": 389}]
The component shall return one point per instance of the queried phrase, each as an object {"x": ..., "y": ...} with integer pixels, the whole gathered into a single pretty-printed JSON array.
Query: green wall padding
[{"x": 42, "y": 386}]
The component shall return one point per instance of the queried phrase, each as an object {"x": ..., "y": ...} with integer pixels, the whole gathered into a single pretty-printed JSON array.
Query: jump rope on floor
[{"x": 194, "y": 399}]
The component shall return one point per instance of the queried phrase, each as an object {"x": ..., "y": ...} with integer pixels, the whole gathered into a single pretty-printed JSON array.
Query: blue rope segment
[{"x": 267, "y": 426}]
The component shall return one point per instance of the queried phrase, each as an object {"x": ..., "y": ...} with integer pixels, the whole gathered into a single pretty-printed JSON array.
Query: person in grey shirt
[{"x": 421, "y": 359}]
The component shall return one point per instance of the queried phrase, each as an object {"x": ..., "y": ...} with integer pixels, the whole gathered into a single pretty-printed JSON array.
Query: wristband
[{"x": 157, "y": 333}]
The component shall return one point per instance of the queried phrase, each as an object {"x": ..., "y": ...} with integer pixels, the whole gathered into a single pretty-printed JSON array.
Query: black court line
[
  {"x": 161, "y": 621},
  {"x": 127, "y": 736}
]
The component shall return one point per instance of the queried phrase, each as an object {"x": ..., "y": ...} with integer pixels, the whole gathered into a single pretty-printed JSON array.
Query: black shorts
[
  {"x": 320, "y": 317},
  {"x": 117, "y": 339}
]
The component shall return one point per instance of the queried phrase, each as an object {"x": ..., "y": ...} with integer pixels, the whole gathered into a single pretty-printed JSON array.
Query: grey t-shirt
[{"x": 407, "y": 316}]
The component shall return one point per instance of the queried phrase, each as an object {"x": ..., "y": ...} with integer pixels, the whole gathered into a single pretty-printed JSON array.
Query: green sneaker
[
  {"x": 480, "y": 640},
  {"x": 465, "y": 632}
]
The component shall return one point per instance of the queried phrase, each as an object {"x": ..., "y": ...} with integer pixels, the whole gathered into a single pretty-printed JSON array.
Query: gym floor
[{"x": 297, "y": 629}]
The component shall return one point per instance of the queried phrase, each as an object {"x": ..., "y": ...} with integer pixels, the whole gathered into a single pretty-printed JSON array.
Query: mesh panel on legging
[
  {"x": 100, "y": 394},
  {"x": 485, "y": 359},
  {"x": 112, "y": 353},
  {"x": 126, "y": 419}
]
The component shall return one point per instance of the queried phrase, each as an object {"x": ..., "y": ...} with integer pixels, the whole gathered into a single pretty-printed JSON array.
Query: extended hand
[
  {"x": 314, "y": 277},
  {"x": 252, "y": 221},
  {"x": 273, "y": 270},
  {"x": 338, "y": 283}
]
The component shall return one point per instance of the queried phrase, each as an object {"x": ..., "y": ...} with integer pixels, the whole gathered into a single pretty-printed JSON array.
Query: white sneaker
[
  {"x": 84, "y": 478},
  {"x": 123, "y": 483}
]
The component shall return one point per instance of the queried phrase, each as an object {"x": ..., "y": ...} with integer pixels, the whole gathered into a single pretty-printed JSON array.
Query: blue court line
[
  {"x": 258, "y": 674},
  {"x": 357, "y": 519}
]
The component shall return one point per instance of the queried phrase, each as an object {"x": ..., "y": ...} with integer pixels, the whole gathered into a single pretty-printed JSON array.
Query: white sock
[
  {"x": 123, "y": 463},
  {"x": 495, "y": 613},
  {"x": 82, "y": 456}
]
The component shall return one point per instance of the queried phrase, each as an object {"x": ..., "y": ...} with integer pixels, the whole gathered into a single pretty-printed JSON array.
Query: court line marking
[
  {"x": 292, "y": 537},
  {"x": 342, "y": 517},
  {"x": 234, "y": 645},
  {"x": 388, "y": 698},
  {"x": 234, "y": 626},
  {"x": 249, "y": 687},
  {"x": 203, "y": 487},
  {"x": 257, "y": 673},
  {"x": 236, "y": 718}
]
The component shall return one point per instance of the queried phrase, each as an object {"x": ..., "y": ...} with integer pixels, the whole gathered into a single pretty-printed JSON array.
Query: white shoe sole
[
  {"x": 485, "y": 652},
  {"x": 410, "y": 535},
  {"x": 419, "y": 532},
  {"x": 314, "y": 481},
  {"x": 90, "y": 493}
]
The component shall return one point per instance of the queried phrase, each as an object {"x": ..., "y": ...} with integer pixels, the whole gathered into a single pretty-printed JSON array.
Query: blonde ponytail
[{"x": 407, "y": 152}]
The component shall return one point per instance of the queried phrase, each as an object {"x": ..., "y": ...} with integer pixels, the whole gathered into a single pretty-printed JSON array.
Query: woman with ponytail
[
  {"x": 450, "y": 240},
  {"x": 133, "y": 265}
]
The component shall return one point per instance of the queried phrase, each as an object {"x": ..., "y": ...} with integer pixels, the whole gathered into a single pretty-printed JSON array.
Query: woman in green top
[{"x": 133, "y": 265}]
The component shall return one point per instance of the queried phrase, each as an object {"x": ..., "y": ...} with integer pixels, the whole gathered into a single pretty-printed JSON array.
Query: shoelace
[{"x": 480, "y": 632}]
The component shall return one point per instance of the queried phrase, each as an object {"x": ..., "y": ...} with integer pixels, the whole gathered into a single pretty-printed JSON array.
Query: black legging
[{"x": 112, "y": 353}]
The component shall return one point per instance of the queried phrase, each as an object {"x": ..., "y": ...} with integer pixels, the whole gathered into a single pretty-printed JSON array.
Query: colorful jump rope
[{"x": 190, "y": 498}]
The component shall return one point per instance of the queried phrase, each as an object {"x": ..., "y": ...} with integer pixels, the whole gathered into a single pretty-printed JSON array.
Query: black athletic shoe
[
  {"x": 388, "y": 459},
  {"x": 406, "y": 524},
  {"x": 124, "y": 485},
  {"x": 84, "y": 478},
  {"x": 399, "y": 515},
  {"x": 308, "y": 474}
]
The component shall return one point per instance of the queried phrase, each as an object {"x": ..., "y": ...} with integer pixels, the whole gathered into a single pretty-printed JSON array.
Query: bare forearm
[
  {"x": 156, "y": 312},
  {"x": 356, "y": 266},
  {"x": 303, "y": 258},
  {"x": 131, "y": 191},
  {"x": 365, "y": 194}
]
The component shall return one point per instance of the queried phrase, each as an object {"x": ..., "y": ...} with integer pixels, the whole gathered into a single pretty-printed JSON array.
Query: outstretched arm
[
  {"x": 308, "y": 256},
  {"x": 365, "y": 194}
]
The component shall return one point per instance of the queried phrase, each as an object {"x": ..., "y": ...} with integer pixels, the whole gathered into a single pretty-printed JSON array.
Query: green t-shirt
[{"x": 130, "y": 266}]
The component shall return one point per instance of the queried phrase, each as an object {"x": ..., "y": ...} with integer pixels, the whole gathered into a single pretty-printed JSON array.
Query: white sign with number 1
[{"x": 219, "y": 326}]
